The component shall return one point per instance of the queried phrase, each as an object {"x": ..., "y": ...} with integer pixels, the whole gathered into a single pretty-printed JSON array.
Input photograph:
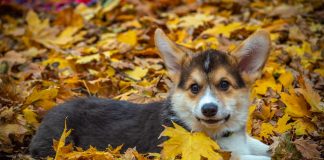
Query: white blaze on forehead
[
  {"x": 207, "y": 62},
  {"x": 208, "y": 97}
]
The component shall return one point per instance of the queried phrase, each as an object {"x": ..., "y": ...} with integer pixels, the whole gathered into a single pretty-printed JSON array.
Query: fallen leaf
[
  {"x": 137, "y": 73},
  {"x": 89, "y": 58},
  {"x": 66, "y": 36},
  {"x": 189, "y": 145},
  {"x": 282, "y": 125},
  {"x": 311, "y": 96},
  {"x": 35, "y": 25},
  {"x": 266, "y": 130},
  {"x": 307, "y": 148},
  {"x": 11, "y": 129},
  {"x": 261, "y": 86},
  {"x": 303, "y": 127},
  {"x": 194, "y": 21},
  {"x": 30, "y": 116},
  {"x": 42, "y": 98},
  {"x": 222, "y": 29},
  {"x": 295, "y": 106},
  {"x": 61, "y": 142},
  {"x": 285, "y": 11},
  {"x": 286, "y": 79},
  {"x": 129, "y": 37}
]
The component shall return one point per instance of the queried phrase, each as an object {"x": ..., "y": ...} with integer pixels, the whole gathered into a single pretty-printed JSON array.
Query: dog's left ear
[
  {"x": 252, "y": 55},
  {"x": 172, "y": 54}
]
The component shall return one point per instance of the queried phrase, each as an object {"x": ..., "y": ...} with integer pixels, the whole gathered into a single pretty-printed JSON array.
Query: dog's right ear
[{"x": 172, "y": 55}]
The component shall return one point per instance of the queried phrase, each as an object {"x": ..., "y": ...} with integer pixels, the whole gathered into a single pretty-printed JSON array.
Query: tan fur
[{"x": 184, "y": 101}]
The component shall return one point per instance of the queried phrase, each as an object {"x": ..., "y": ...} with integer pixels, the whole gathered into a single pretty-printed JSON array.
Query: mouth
[{"x": 213, "y": 121}]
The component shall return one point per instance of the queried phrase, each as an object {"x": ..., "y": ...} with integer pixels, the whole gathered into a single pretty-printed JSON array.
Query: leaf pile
[{"x": 106, "y": 49}]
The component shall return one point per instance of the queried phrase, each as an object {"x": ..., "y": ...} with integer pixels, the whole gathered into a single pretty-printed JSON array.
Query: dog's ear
[
  {"x": 172, "y": 55},
  {"x": 252, "y": 55}
]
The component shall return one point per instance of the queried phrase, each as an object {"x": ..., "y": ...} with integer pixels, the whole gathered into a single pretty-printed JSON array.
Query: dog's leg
[{"x": 257, "y": 147}]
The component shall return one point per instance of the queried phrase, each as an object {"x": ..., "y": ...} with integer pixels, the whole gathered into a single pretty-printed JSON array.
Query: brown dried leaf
[{"x": 307, "y": 148}]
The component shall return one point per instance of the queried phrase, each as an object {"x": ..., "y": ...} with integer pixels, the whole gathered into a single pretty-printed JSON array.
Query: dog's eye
[
  {"x": 194, "y": 88},
  {"x": 224, "y": 85}
]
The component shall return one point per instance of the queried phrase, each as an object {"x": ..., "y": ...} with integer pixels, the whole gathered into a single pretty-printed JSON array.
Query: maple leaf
[
  {"x": 189, "y": 145},
  {"x": 91, "y": 153},
  {"x": 194, "y": 21},
  {"x": 225, "y": 30},
  {"x": 137, "y": 74},
  {"x": 286, "y": 79},
  {"x": 283, "y": 148},
  {"x": 295, "y": 106},
  {"x": 282, "y": 125},
  {"x": 303, "y": 126},
  {"x": 88, "y": 58},
  {"x": 307, "y": 148},
  {"x": 30, "y": 116},
  {"x": 42, "y": 98},
  {"x": 311, "y": 96},
  {"x": 61, "y": 143},
  {"x": 267, "y": 129},
  {"x": 35, "y": 25},
  {"x": 261, "y": 86},
  {"x": 129, "y": 37},
  {"x": 66, "y": 36}
]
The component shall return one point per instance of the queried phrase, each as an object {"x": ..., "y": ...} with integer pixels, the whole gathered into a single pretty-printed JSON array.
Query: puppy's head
[{"x": 211, "y": 88}]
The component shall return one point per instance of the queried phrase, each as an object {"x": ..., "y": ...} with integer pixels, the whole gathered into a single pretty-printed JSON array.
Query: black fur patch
[{"x": 100, "y": 122}]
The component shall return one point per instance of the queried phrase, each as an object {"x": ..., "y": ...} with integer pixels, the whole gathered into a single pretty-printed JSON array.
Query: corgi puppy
[{"x": 210, "y": 94}]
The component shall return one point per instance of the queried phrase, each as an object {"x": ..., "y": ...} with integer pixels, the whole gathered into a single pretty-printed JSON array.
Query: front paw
[
  {"x": 250, "y": 157},
  {"x": 257, "y": 147}
]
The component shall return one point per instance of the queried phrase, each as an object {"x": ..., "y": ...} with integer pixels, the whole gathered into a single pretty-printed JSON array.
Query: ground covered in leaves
[{"x": 53, "y": 51}]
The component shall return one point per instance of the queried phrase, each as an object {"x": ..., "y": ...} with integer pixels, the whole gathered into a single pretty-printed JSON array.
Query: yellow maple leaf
[
  {"x": 39, "y": 98},
  {"x": 35, "y": 25},
  {"x": 137, "y": 73},
  {"x": 320, "y": 71},
  {"x": 61, "y": 142},
  {"x": 30, "y": 116},
  {"x": 88, "y": 58},
  {"x": 311, "y": 96},
  {"x": 194, "y": 21},
  {"x": 192, "y": 146},
  {"x": 303, "y": 126},
  {"x": 282, "y": 125},
  {"x": 267, "y": 81},
  {"x": 66, "y": 35},
  {"x": 266, "y": 130},
  {"x": 286, "y": 79},
  {"x": 87, "y": 12},
  {"x": 91, "y": 153},
  {"x": 129, "y": 37},
  {"x": 60, "y": 62},
  {"x": 225, "y": 30},
  {"x": 295, "y": 105}
]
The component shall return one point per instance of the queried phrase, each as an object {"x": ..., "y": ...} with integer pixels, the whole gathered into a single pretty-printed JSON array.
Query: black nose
[{"x": 209, "y": 109}]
